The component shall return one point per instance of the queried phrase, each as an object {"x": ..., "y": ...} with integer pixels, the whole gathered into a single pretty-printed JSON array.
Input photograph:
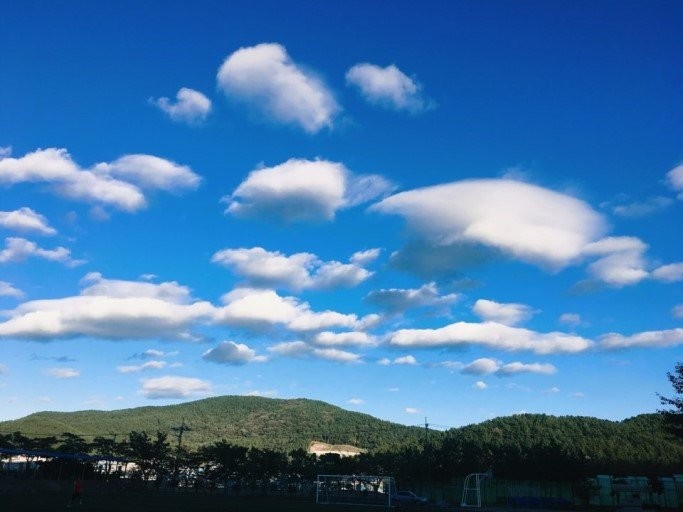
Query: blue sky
[{"x": 451, "y": 210}]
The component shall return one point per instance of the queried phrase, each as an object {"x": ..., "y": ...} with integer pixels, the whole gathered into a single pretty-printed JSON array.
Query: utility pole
[{"x": 179, "y": 434}]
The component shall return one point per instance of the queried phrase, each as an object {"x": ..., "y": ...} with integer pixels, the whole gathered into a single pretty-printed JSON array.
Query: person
[{"x": 78, "y": 492}]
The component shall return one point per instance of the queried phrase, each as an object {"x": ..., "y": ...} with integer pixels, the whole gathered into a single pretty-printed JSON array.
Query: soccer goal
[{"x": 369, "y": 491}]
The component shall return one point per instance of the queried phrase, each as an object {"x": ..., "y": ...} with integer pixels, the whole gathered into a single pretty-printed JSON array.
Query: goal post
[{"x": 363, "y": 490}]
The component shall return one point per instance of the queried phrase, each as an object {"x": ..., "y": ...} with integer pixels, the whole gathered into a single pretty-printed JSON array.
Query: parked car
[{"x": 408, "y": 498}]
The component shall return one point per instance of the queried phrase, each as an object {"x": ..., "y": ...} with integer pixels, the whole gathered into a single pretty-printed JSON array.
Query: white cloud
[
  {"x": 25, "y": 219},
  {"x": 621, "y": 262},
  {"x": 297, "y": 271},
  {"x": 355, "y": 401},
  {"x": 406, "y": 360},
  {"x": 552, "y": 390},
  {"x": 98, "y": 184},
  {"x": 643, "y": 208},
  {"x": 63, "y": 373},
  {"x": 190, "y": 106},
  {"x": 149, "y": 365},
  {"x": 397, "y": 300},
  {"x": 647, "y": 339},
  {"x": 525, "y": 221},
  {"x": 507, "y": 314},
  {"x": 329, "y": 338},
  {"x": 412, "y": 410},
  {"x": 152, "y": 172},
  {"x": 303, "y": 190},
  {"x": 677, "y": 311},
  {"x": 291, "y": 348},
  {"x": 269, "y": 393},
  {"x": 336, "y": 355},
  {"x": 175, "y": 387},
  {"x": 258, "y": 308},
  {"x": 5, "y": 151},
  {"x": 385, "y": 361},
  {"x": 19, "y": 249},
  {"x": 303, "y": 349},
  {"x": 517, "y": 367},
  {"x": 669, "y": 273},
  {"x": 481, "y": 366},
  {"x": 265, "y": 77},
  {"x": 480, "y": 385},
  {"x": 229, "y": 352},
  {"x": 492, "y": 335},
  {"x": 388, "y": 87},
  {"x": 134, "y": 310},
  {"x": 675, "y": 179},
  {"x": 4, "y": 370},
  {"x": 570, "y": 319},
  {"x": 365, "y": 257},
  {"x": 7, "y": 290}
]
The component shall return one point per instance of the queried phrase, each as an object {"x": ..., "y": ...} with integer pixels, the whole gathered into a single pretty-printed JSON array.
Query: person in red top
[{"x": 78, "y": 492}]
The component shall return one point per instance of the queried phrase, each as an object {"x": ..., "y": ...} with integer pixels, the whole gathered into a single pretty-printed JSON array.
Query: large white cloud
[
  {"x": 491, "y": 335},
  {"x": 675, "y": 179},
  {"x": 25, "y": 219},
  {"x": 175, "y": 387},
  {"x": 99, "y": 184},
  {"x": 621, "y": 260},
  {"x": 260, "y": 308},
  {"x": 130, "y": 311},
  {"x": 647, "y": 339},
  {"x": 19, "y": 249},
  {"x": 388, "y": 87},
  {"x": 525, "y": 221},
  {"x": 229, "y": 352},
  {"x": 190, "y": 106},
  {"x": 297, "y": 271},
  {"x": 266, "y": 77},
  {"x": 398, "y": 300},
  {"x": 507, "y": 314},
  {"x": 303, "y": 190}
]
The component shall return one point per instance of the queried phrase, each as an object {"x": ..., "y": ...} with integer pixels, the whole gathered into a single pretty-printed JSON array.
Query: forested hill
[
  {"x": 260, "y": 422},
  {"x": 574, "y": 443}
]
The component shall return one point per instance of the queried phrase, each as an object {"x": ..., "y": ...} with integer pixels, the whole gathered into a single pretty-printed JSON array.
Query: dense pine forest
[{"x": 233, "y": 436}]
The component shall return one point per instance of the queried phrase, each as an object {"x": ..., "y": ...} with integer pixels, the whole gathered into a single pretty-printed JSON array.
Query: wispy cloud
[
  {"x": 175, "y": 387},
  {"x": 19, "y": 249},
  {"x": 25, "y": 219}
]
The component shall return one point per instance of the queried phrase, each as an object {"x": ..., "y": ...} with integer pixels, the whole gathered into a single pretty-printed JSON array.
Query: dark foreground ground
[{"x": 168, "y": 502}]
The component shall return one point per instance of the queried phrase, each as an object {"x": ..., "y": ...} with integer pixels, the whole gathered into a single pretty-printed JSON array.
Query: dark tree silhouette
[{"x": 674, "y": 417}]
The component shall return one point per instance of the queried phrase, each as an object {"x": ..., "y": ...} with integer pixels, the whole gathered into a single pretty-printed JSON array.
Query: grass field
[{"x": 163, "y": 502}]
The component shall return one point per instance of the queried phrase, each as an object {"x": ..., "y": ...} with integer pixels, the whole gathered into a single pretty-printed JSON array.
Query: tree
[{"x": 674, "y": 417}]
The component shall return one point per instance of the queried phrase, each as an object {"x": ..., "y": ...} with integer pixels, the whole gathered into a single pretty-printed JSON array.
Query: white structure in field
[
  {"x": 372, "y": 491},
  {"x": 472, "y": 488}
]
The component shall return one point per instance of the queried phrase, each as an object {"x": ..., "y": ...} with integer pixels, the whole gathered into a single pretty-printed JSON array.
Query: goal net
[{"x": 373, "y": 491}]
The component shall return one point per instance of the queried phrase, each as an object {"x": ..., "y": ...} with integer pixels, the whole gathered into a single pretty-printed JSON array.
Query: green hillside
[{"x": 240, "y": 420}]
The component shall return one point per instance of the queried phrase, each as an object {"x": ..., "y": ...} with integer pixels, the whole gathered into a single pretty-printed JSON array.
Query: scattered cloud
[
  {"x": 112, "y": 310},
  {"x": 524, "y": 221},
  {"x": 552, "y": 390},
  {"x": 572, "y": 319},
  {"x": 25, "y": 219},
  {"x": 5, "y": 151},
  {"x": 118, "y": 184},
  {"x": 150, "y": 365},
  {"x": 229, "y": 352},
  {"x": 355, "y": 401},
  {"x": 492, "y": 335},
  {"x": 647, "y": 339},
  {"x": 4, "y": 369},
  {"x": 637, "y": 209},
  {"x": 507, "y": 314},
  {"x": 406, "y": 360},
  {"x": 190, "y": 106},
  {"x": 265, "y": 77},
  {"x": 19, "y": 249},
  {"x": 303, "y": 349},
  {"x": 297, "y": 271},
  {"x": 7, "y": 290},
  {"x": 675, "y": 180},
  {"x": 388, "y": 87},
  {"x": 669, "y": 273},
  {"x": 481, "y": 366},
  {"x": 480, "y": 385},
  {"x": 487, "y": 366},
  {"x": 621, "y": 260},
  {"x": 63, "y": 373},
  {"x": 269, "y": 393},
  {"x": 175, "y": 387},
  {"x": 677, "y": 311},
  {"x": 351, "y": 338},
  {"x": 398, "y": 300},
  {"x": 412, "y": 410},
  {"x": 301, "y": 190}
]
